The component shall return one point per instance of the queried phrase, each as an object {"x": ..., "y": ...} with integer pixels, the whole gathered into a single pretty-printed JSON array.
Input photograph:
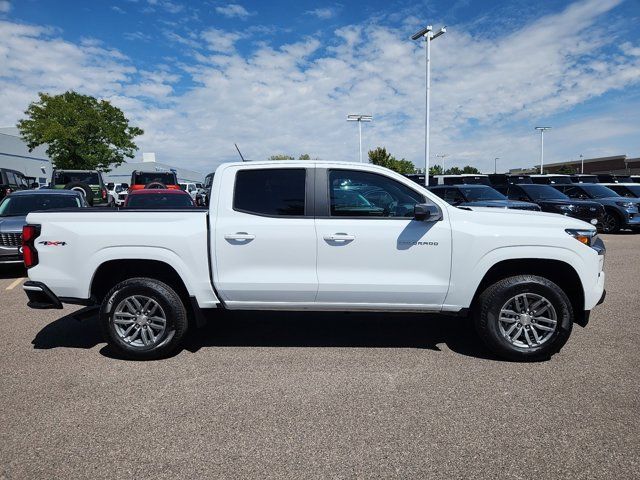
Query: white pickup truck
[{"x": 323, "y": 236}]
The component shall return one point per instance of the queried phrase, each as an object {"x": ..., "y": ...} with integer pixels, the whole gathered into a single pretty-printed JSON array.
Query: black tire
[
  {"x": 610, "y": 223},
  {"x": 492, "y": 300},
  {"x": 168, "y": 341},
  {"x": 83, "y": 188},
  {"x": 156, "y": 185}
]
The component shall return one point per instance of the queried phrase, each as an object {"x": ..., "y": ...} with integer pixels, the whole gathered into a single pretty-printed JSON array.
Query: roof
[
  {"x": 46, "y": 191},
  {"x": 158, "y": 191}
]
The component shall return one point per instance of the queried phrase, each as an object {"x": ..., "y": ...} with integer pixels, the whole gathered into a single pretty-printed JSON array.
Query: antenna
[{"x": 239, "y": 152}]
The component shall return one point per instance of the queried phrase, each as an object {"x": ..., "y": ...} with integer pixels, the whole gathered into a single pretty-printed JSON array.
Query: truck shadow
[{"x": 292, "y": 329}]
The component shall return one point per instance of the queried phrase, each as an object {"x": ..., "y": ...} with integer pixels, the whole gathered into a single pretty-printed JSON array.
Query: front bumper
[
  {"x": 10, "y": 255},
  {"x": 40, "y": 296}
]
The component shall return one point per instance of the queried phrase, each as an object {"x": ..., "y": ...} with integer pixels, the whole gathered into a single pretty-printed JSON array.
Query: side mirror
[
  {"x": 426, "y": 212},
  {"x": 35, "y": 185},
  {"x": 125, "y": 185}
]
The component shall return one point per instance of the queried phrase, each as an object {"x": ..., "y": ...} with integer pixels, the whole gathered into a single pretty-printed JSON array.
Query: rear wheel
[
  {"x": 524, "y": 318},
  {"x": 143, "y": 319}
]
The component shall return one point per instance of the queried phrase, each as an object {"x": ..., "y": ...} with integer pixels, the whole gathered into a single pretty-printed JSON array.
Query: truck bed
[{"x": 178, "y": 237}]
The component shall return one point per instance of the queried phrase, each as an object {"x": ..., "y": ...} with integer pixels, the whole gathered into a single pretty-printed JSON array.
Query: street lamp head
[
  {"x": 543, "y": 128},
  {"x": 359, "y": 118},
  {"x": 442, "y": 31},
  {"x": 422, "y": 32}
]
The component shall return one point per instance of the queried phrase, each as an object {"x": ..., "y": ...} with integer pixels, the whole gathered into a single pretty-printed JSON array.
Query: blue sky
[{"x": 280, "y": 77}]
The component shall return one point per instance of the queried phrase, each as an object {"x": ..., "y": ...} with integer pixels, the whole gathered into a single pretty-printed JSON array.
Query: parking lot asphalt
[{"x": 293, "y": 395}]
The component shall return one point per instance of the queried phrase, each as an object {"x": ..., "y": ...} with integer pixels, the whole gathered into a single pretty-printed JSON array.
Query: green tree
[
  {"x": 80, "y": 131},
  {"x": 281, "y": 157},
  {"x": 381, "y": 157},
  {"x": 453, "y": 171},
  {"x": 304, "y": 156},
  {"x": 470, "y": 169},
  {"x": 566, "y": 170},
  {"x": 435, "y": 170}
]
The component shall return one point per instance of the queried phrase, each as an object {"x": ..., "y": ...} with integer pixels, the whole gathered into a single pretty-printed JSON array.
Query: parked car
[
  {"x": 12, "y": 181},
  {"x": 629, "y": 190},
  {"x": 87, "y": 182},
  {"x": 463, "y": 179},
  {"x": 479, "y": 196},
  {"x": 614, "y": 178},
  {"x": 635, "y": 178},
  {"x": 584, "y": 178},
  {"x": 620, "y": 212},
  {"x": 271, "y": 242},
  {"x": 150, "y": 180},
  {"x": 159, "y": 198},
  {"x": 500, "y": 181},
  {"x": 117, "y": 193},
  {"x": 13, "y": 213},
  {"x": 551, "y": 200},
  {"x": 190, "y": 188},
  {"x": 551, "y": 179}
]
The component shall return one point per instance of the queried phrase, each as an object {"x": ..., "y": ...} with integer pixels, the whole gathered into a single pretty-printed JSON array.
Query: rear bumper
[{"x": 40, "y": 296}]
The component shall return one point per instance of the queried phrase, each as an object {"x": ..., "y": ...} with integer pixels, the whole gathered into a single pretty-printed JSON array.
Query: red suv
[{"x": 151, "y": 180}]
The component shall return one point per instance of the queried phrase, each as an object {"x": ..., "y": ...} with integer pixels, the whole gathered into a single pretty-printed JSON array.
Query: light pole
[
  {"x": 542, "y": 130},
  {"x": 581, "y": 163},
  {"x": 428, "y": 35},
  {"x": 359, "y": 118},
  {"x": 442, "y": 156},
  {"x": 495, "y": 164}
]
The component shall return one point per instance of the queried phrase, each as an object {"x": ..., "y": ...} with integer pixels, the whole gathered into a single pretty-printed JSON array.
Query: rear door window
[{"x": 271, "y": 192}]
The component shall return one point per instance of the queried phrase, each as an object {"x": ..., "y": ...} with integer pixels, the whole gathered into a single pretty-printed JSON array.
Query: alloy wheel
[
  {"x": 140, "y": 321},
  {"x": 527, "y": 320}
]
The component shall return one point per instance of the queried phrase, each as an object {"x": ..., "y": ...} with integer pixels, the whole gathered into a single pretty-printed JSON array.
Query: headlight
[
  {"x": 567, "y": 208},
  {"x": 586, "y": 237},
  {"x": 625, "y": 204}
]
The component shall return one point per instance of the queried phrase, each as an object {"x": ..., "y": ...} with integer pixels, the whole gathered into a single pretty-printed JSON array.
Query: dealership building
[
  {"x": 15, "y": 155},
  {"x": 616, "y": 164}
]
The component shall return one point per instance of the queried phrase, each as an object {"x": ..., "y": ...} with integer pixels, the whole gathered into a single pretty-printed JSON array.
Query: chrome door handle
[
  {"x": 239, "y": 236},
  {"x": 339, "y": 237}
]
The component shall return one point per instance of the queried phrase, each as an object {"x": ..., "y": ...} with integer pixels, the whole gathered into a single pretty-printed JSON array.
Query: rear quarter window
[{"x": 271, "y": 192}]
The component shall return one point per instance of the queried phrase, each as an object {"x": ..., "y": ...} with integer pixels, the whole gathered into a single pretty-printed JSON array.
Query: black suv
[
  {"x": 478, "y": 196},
  {"x": 550, "y": 179},
  {"x": 11, "y": 181},
  {"x": 620, "y": 212},
  {"x": 551, "y": 200}
]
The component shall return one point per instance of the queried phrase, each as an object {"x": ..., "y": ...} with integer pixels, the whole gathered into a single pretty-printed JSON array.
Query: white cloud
[
  {"x": 5, "y": 6},
  {"x": 487, "y": 92},
  {"x": 233, "y": 10},
  {"x": 220, "y": 41},
  {"x": 117, "y": 9},
  {"x": 322, "y": 13}
]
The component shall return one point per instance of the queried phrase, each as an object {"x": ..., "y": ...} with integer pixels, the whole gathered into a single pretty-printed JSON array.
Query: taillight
[
  {"x": 104, "y": 193},
  {"x": 29, "y": 252},
  {"x": 173, "y": 187},
  {"x": 7, "y": 191}
]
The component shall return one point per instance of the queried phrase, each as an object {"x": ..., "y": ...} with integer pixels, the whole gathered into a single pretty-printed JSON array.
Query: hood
[
  {"x": 522, "y": 218},
  {"x": 614, "y": 200},
  {"x": 12, "y": 224}
]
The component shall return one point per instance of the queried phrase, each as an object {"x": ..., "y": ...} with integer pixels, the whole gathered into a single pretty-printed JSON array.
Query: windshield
[
  {"x": 19, "y": 205},
  {"x": 543, "y": 192},
  {"x": 159, "y": 200},
  {"x": 63, "y": 178},
  {"x": 481, "y": 193},
  {"x": 599, "y": 191},
  {"x": 145, "y": 178},
  {"x": 634, "y": 189}
]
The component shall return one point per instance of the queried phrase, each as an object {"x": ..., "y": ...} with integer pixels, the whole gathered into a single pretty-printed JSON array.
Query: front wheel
[
  {"x": 524, "y": 318},
  {"x": 610, "y": 223},
  {"x": 143, "y": 319}
]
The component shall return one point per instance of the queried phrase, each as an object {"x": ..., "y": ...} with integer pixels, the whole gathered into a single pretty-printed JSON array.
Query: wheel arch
[
  {"x": 112, "y": 272},
  {"x": 559, "y": 272}
]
